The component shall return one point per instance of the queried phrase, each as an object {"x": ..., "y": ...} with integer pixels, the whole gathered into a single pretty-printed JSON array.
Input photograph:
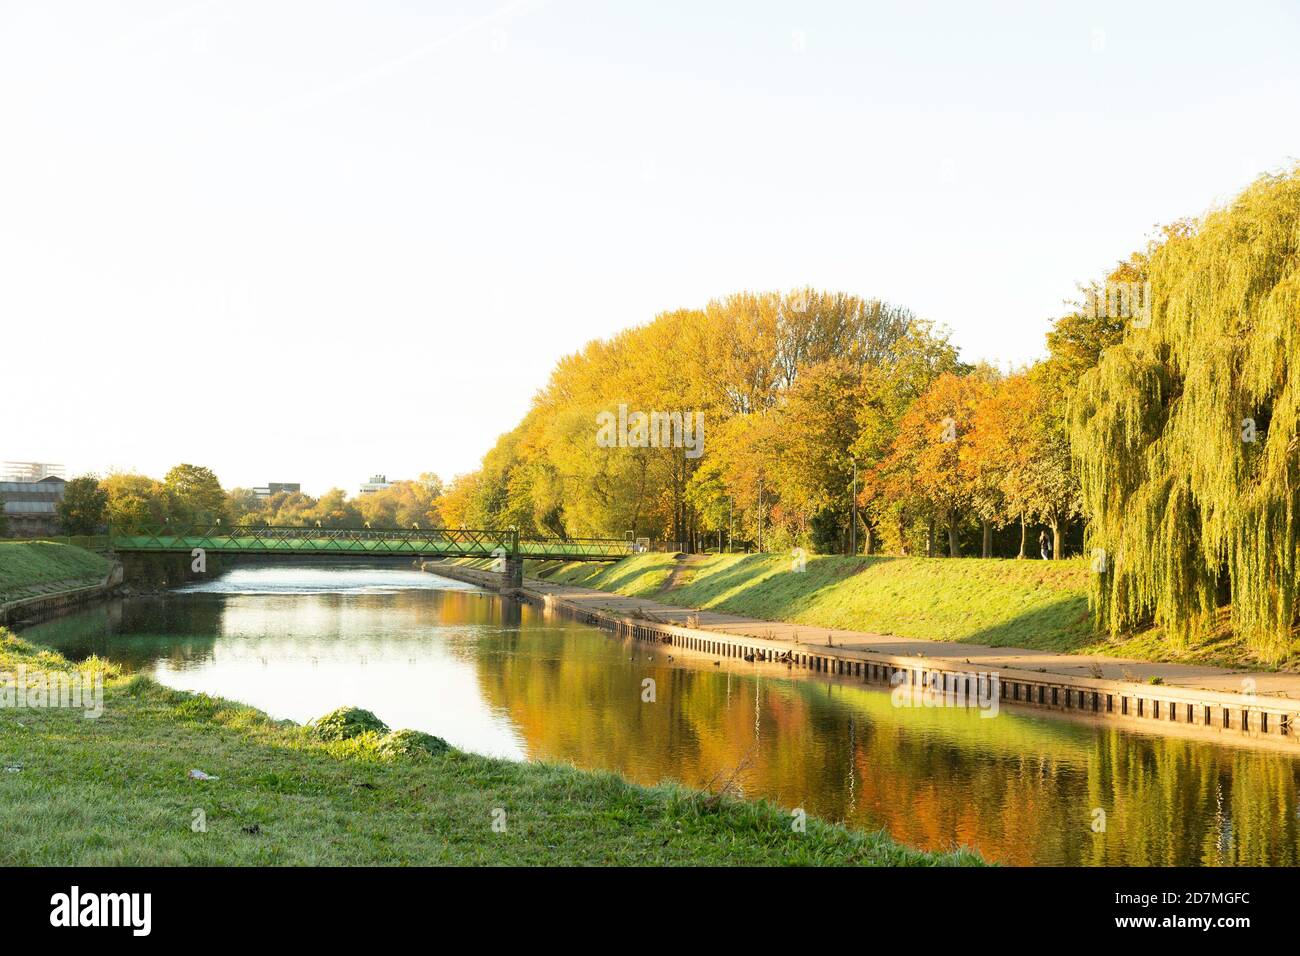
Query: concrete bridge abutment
[{"x": 159, "y": 570}]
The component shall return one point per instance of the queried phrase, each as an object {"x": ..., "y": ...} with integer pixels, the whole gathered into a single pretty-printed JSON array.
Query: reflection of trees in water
[
  {"x": 1172, "y": 801},
  {"x": 185, "y": 628},
  {"x": 1021, "y": 788}
]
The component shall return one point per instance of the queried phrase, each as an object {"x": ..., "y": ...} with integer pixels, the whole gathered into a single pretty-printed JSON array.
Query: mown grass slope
[
  {"x": 1000, "y": 603},
  {"x": 1023, "y": 603},
  {"x": 116, "y": 790},
  {"x": 26, "y": 567}
]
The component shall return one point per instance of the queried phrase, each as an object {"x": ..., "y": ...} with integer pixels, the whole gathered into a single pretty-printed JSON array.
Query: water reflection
[{"x": 498, "y": 678}]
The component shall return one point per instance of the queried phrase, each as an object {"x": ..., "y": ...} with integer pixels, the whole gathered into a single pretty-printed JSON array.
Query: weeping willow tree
[{"x": 1186, "y": 432}]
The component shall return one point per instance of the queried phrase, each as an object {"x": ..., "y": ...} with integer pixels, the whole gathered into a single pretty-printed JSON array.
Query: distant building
[
  {"x": 32, "y": 506},
  {"x": 30, "y": 471},
  {"x": 273, "y": 488},
  {"x": 376, "y": 483}
]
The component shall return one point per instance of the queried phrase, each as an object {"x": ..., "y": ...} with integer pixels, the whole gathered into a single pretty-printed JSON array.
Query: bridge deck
[{"x": 441, "y": 542}]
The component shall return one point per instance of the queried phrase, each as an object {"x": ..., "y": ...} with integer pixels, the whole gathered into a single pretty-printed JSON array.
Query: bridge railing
[
  {"x": 531, "y": 546},
  {"x": 467, "y": 542}
]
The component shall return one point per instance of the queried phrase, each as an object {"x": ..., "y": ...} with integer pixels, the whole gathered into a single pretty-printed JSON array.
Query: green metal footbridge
[{"x": 364, "y": 542}]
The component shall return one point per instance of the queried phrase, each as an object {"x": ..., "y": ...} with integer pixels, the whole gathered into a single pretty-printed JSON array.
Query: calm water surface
[{"x": 498, "y": 678}]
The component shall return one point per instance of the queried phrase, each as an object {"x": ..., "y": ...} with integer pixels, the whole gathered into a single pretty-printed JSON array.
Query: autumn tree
[
  {"x": 334, "y": 510},
  {"x": 888, "y": 506},
  {"x": 403, "y": 504},
  {"x": 288, "y": 509},
  {"x": 815, "y": 430},
  {"x": 459, "y": 502},
  {"x": 1050, "y": 478},
  {"x": 134, "y": 502},
  {"x": 737, "y": 365},
  {"x": 193, "y": 495},
  {"x": 1005, "y": 442},
  {"x": 980, "y": 465},
  {"x": 924, "y": 465},
  {"x": 244, "y": 507},
  {"x": 734, "y": 484}
]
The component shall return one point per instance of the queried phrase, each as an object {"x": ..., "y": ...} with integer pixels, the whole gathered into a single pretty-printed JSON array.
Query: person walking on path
[{"x": 1044, "y": 544}]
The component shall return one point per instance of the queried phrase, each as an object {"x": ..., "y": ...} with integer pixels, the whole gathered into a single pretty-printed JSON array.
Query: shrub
[
  {"x": 346, "y": 723},
  {"x": 411, "y": 743}
]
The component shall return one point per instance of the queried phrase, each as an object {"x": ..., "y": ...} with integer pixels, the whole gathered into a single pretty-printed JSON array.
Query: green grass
[
  {"x": 115, "y": 790},
  {"x": 27, "y": 567},
  {"x": 1023, "y": 603},
  {"x": 998, "y": 602}
]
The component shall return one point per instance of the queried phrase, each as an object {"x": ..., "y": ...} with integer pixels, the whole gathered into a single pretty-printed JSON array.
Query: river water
[{"x": 508, "y": 680}]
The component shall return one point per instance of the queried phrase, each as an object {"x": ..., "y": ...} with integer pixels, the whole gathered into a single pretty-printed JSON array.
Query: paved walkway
[{"x": 951, "y": 652}]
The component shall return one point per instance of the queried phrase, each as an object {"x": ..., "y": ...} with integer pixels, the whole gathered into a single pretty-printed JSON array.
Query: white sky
[{"x": 308, "y": 241}]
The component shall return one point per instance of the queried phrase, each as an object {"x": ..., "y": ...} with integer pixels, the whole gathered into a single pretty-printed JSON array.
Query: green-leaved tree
[
  {"x": 1186, "y": 433},
  {"x": 84, "y": 505}
]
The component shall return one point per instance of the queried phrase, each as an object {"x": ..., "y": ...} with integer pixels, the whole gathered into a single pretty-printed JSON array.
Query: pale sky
[{"x": 308, "y": 241}]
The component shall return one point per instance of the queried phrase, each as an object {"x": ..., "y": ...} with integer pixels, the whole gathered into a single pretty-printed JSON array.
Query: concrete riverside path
[{"x": 950, "y": 654}]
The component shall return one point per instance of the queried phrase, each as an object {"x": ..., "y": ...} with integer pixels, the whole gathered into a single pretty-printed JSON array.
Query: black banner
[{"x": 182, "y": 906}]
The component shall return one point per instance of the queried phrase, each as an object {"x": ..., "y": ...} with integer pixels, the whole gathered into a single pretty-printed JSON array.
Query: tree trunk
[
  {"x": 1024, "y": 534},
  {"x": 953, "y": 550},
  {"x": 1056, "y": 539},
  {"x": 931, "y": 545},
  {"x": 987, "y": 551},
  {"x": 867, "y": 542}
]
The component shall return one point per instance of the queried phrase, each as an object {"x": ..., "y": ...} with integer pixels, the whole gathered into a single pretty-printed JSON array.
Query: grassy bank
[
  {"x": 115, "y": 790},
  {"x": 1024, "y": 603},
  {"x": 1001, "y": 603},
  {"x": 31, "y": 567}
]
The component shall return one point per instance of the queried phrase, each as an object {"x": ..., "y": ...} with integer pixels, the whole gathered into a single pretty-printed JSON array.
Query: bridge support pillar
[{"x": 513, "y": 578}]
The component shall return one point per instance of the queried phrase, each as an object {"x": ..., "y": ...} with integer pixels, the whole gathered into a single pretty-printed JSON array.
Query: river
[{"x": 500, "y": 678}]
